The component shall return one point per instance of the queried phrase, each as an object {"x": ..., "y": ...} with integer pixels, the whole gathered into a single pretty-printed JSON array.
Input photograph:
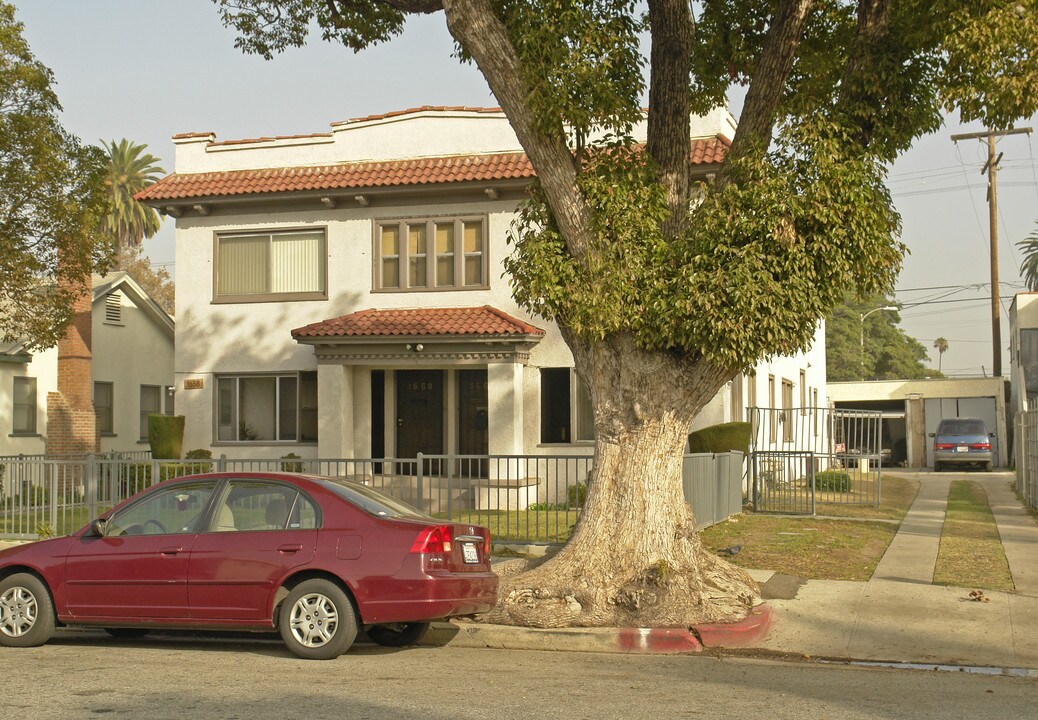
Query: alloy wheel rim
[
  {"x": 313, "y": 620},
  {"x": 18, "y": 612}
]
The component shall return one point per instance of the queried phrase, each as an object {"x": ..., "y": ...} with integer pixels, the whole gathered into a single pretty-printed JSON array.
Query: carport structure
[{"x": 913, "y": 408}]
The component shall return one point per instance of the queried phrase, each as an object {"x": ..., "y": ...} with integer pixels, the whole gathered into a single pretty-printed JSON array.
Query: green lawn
[{"x": 526, "y": 526}]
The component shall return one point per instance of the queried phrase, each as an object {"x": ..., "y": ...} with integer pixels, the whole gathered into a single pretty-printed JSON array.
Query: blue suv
[{"x": 962, "y": 441}]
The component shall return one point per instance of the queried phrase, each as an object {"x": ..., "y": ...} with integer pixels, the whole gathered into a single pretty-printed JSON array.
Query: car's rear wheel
[
  {"x": 26, "y": 611},
  {"x": 989, "y": 466},
  {"x": 317, "y": 621},
  {"x": 127, "y": 633},
  {"x": 398, "y": 634}
]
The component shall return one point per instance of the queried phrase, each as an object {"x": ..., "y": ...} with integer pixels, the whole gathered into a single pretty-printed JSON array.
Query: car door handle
[
  {"x": 290, "y": 548},
  {"x": 171, "y": 550}
]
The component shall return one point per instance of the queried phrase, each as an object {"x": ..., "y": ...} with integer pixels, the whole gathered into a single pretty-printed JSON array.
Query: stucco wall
[
  {"x": 134, "y": 353},
  {"x": 44, "y": 367}
]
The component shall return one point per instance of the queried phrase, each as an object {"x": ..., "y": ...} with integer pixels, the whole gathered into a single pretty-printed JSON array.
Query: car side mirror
[{"x": 98, "y": 527}]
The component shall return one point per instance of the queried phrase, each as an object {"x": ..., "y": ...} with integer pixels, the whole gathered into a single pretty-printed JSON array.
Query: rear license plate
[
  {"x": 469, "y": 553},
  {"x": 962, "y": 448}
]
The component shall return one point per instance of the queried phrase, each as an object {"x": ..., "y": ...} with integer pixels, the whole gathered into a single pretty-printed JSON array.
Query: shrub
[
  {"x": 721, "y": 438},
  {"x": 29, "y": 495},
  {"x": 166, "y": 436},
  {"x": 291, "y": 466},
  {"x": 199, "y": 454},
  {"x": 833, "y": 480},
  {"x": 576, "y": 495}
]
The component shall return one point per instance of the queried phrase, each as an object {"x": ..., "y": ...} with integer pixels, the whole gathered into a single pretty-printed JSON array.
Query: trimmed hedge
[
  {"x": 833, "y": 480},
  {"x": 721, "y": 438},
  {"x": 166, "y": 436}
]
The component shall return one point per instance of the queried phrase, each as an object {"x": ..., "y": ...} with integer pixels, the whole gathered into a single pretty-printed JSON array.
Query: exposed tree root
[{"x": 657, "y": 594}]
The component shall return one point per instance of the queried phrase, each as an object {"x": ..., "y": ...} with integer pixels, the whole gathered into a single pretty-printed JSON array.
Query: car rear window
[
  {"x": 371, "y": 500},
  {"x": 963, "y": 427}
]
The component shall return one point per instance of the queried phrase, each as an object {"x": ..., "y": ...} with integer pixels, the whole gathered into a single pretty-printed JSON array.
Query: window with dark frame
[
  {"x": 431, "y": 254},
  {"x": 267, "y": 408},
  {"x": 104, "y": 407},
  {"x": 23, "y": 420},
  {"x": 567, "y": 415},
  {"x": 280, "y": 265},
  {"x": 151, "y": 404},
  {"x": 787, "y": 410}
]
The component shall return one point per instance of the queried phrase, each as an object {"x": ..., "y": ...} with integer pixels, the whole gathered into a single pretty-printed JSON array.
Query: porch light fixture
[
  {"x": 328, "y": 202},
  {"x": 416, "y": 348},
  {"x": 201, "y": 209},
  {"x": 362, "y": 200},
  {"x": 492, "y": 193}
]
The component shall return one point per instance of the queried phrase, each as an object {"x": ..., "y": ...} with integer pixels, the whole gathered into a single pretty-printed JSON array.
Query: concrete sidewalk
[{"x": 900, "y": 616}]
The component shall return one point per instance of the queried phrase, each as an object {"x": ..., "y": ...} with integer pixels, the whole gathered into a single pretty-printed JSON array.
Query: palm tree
[
  {"x": 941, "y": 345},
  {"x": 130, "y": 170},
  {"x": 1029, "y": 267}
]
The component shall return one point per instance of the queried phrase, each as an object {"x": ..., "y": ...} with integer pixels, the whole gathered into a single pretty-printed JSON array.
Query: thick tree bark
[
  {"x": 635, "y": 558},
  {"x": 669, "y": 135}
]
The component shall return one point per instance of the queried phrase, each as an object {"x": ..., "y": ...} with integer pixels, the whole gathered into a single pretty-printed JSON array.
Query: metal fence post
[
  {"x": 90, "y": 486},
  {"x": 221, "y": 463},
  {"x": 419, "y": 480}
]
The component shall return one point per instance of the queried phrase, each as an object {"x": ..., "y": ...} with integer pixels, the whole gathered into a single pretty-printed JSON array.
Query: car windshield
[
  {"x": 963, "y": 427},
  {"x": 371, "y": 500}
]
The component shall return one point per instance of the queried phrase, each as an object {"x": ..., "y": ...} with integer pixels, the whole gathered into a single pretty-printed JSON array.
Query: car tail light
[
  {"x": 944, "y": 446},
  {"x": 432, "y": 540},
  {"x": 486, "y": 543},
  {"x": 980, "y": 446}
]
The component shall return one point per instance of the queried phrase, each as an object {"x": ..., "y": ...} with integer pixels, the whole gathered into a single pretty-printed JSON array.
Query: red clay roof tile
[
  {"x": 479, "y": 321},
  {"x": 359, "y": 175}
]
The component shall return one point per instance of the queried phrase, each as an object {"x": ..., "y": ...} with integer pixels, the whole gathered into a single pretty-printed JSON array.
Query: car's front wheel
[
  {"x": 398, "y": 634},
  {"x": 26, "y": 611},
  {"x": 317, "y": 621}
]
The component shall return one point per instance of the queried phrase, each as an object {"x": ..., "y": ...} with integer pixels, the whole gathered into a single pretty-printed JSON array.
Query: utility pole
[{"x": 991, "y": 168}]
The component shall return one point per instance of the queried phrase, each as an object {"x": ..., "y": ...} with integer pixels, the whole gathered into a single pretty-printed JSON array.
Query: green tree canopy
[
  {"x": 665, "y": 284},
  {"x": 889, "y": 352},
  {"x": 52, "y": 199}
]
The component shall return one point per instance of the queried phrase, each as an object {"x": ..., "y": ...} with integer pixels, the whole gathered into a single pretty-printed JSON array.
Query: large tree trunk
[{"x": 657, "y": 572}]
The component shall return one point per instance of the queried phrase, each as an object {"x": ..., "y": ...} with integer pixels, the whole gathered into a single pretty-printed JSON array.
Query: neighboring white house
[
  {"x": 132, "y": 348},
  {"x": 341, "y": 295}
]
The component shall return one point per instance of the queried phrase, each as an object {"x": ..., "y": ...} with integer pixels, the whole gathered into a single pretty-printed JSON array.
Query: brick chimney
[{"x": 71, "y": 423}]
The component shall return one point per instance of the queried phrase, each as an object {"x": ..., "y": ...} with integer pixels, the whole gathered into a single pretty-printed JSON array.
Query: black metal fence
[
  {"x": 803, "y": 457},
  {"x": 528, "y": 499}
]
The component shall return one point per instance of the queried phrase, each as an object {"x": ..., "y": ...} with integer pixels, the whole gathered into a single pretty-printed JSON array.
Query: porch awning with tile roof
[{"x": 466, "y": 335}]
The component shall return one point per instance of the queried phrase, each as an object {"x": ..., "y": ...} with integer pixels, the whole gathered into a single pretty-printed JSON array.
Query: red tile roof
[
  {"x": 479, "y": 321},
  {"x": 362, "y": 175}
]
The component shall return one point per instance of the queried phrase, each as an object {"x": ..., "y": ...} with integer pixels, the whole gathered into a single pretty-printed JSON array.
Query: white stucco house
[
  {"x": 341, "y": 295},
  {"x": 132, "y": 373}
]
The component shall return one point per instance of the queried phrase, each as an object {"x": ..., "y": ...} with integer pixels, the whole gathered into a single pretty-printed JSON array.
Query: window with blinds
[
  {"x": 430, "y": 254},
  {"x": 289, "y": 265}
]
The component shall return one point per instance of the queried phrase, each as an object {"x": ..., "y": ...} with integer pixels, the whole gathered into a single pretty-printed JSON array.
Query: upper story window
[
  {"x": 270, "y": 266},
  {"x": 104, "y": 407},
  {"x": 24, "y": 410},
  {"x": 430, "y": 254}
]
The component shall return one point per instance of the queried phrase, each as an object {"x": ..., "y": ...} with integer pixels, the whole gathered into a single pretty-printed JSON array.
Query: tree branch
[
  {"x": 481, "y": 33},
  {"x": 873, "y": 29},
  {"x": 769, "y": 80},
  {"x": 672, "y": 30},
  {"x": 407, "y": 6}
]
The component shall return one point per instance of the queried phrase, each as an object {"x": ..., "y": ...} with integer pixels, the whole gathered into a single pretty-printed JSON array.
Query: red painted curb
[
  {"x": 741, "y": 634},
  {"x": 658, "y": 640}
]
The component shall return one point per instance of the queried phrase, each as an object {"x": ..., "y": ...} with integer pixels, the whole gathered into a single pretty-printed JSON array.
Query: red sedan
[{"x": 316, "y": 558}]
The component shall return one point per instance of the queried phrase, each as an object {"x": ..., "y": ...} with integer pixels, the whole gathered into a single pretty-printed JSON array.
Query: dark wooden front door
[
  {"x": 473, "y": 435},
  {"x": 419, "y": 412}
]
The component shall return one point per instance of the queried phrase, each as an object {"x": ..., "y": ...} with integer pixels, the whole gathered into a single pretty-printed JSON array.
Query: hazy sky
[{"x": 148, "y": 69}]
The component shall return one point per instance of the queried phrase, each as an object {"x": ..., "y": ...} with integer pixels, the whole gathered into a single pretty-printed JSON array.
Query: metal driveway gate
[{"x": 802, "y": 457}]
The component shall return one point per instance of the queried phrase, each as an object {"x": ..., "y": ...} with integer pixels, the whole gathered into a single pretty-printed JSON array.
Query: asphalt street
[{"x": 88, "y": 675}]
